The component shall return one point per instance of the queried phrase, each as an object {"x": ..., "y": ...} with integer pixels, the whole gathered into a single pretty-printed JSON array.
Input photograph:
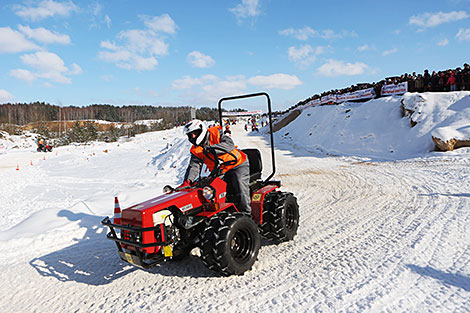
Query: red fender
[{"x": 257, "y": 202}]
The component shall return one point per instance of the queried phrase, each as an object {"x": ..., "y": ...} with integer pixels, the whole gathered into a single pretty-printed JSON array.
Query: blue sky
[{"x": 174, "y": 53}]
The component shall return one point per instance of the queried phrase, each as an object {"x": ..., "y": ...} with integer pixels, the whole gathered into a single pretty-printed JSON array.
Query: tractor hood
[{"x": 141, "y": 214}]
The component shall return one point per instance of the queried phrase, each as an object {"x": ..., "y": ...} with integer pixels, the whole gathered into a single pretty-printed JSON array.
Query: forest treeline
[{"x": 25, "y": 113}]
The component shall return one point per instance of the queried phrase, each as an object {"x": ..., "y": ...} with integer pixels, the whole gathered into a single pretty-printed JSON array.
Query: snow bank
[
  {"x": 9, "y": 142},
  {"x": 376, "y": 128}
]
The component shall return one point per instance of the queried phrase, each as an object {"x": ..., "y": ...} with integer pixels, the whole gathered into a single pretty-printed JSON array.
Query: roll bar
[{"x": 270, "y": 121}]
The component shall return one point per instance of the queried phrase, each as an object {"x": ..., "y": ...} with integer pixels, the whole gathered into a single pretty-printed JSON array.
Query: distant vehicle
[{"x": 44, "y": 148}]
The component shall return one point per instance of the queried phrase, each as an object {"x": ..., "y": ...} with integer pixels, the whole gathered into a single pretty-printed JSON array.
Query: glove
[{"x": 185, "y": 184}]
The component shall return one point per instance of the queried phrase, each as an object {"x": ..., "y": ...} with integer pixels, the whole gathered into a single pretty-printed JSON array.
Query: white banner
[
  {"x": 229, "y": 113},
  {"x": 328, "y": 98},
  {"x": 310, "y": 104},
  {"x": 368, "y": 93},
  {"x": 388, "y": 90},
  {"x": 315, "y": 102}
]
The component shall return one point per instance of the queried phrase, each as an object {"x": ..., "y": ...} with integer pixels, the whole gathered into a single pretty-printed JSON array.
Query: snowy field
[{"x": 385, "y": 221}]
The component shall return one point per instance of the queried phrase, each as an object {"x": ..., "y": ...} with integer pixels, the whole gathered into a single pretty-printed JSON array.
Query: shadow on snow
[
  {"x": 449, "y": 279},
  {"x": 94, "y": 260},
  {"x": 464, "y": 195}
]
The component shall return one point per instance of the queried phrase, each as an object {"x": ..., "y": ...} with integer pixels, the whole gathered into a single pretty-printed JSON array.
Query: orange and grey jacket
[{"x": 215, "y": 139}]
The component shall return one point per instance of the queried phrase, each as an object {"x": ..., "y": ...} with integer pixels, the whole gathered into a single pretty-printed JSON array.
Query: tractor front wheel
[{"x": 230, "y": 243}]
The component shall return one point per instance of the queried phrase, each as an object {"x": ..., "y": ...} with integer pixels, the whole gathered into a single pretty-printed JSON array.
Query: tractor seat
[{"x": 256, "y": 166}]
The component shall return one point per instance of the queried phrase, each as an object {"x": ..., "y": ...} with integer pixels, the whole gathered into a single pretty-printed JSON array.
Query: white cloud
[
  {"x": 143, "y": 42},
  {"x": 304, "y": 55},
  {"x": 5, "y": 96},
  {"x": 231, "y": 84},
  {"x": 188, "y": 82},
  {"x": 12, "y": 41},
  {"x": 388, "y": 52},
  {"x": 75, "y": 69},
  {"x": 43, "y": 35},
  {"x": 197, "y": 59},
  {"x": 300, "y": 34},
  {"x": 434, "y": 19},
  {"x": 463, "y": 34},
  {"x": 45, "y": 9},
  {"x": 308, "y": 32},
  {"x": 115, "y": 56},
  {"x": 96, "y": 8},
  {"x": 221, "y": 88},
  {"x": 365, "y": 47},
  {"x": 44, "y": 61},
  {"x": 248, "y": 8},
  {"x": 210, "y": 88},
  {"x": 46, "y": 65},
  {"x": 163, "y": 23},
  {"x": 443, "y": 42},
  {"x": 23, "y": 74},
  {"x": 331, "y": 34},
  {"x": 137, "y": 49},
  {"x": 107, "y": 21},
  {"x": 276, "y": 81},
  {"x": 339, "y": 68},
  {"x": 140, "y": 63},
  {"x": 98, "y": 18}
]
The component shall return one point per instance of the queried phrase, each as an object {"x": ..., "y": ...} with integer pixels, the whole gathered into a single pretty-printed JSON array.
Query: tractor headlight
[{"x": 208, "y": 192}]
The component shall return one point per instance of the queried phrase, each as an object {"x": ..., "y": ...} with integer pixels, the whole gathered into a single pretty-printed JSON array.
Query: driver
[{"x": 236, "y": 175}]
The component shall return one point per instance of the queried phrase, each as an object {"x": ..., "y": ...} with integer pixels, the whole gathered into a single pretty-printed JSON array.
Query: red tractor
[{"x": 205, "y": 216}]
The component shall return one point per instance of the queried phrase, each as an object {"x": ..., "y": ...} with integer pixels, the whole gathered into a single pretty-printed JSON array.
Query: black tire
[
  {"x": 230, "y": 243},
  {"x": 280, "y": 217}
]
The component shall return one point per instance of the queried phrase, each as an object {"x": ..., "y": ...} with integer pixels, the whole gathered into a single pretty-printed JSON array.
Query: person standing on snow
[{"x": 236, "y": 175}]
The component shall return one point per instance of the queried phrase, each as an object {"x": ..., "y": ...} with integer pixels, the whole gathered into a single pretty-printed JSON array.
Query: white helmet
[{"x": 196, "y": 131}]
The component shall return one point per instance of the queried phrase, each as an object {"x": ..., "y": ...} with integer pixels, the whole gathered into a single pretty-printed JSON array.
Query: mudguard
[{"x": 257, "y": 199}]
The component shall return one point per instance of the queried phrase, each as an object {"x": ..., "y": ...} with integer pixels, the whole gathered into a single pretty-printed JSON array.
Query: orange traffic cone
[
  {"x": 17, "y": 167},
  {"x": 31, "y": 162},
  {"x": 44, "y": 158},
  {"x": 117, "y": 212}
]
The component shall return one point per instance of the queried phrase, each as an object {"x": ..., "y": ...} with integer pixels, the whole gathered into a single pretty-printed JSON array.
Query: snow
[
  {"x": 25, "y": 141},
  {"x": 385, "y": 221},
  {"x": 376, "y": 130}
]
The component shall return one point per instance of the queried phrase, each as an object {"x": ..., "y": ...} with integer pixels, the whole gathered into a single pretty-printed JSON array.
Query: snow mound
[{"x": 377, "y": 129}]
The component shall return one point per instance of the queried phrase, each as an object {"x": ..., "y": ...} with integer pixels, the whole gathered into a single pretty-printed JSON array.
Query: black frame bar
[
  {"x": 270, "y": 122},
  {"x": 113, "y": 236}
]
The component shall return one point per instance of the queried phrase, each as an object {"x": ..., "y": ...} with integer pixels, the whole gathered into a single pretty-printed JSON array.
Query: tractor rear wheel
[
  {"x": 280, "y": 216},
  {"x": 230, "y": 243}
]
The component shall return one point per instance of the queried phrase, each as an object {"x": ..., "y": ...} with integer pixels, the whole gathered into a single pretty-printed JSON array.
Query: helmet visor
[{"x": 192, "y": 136}]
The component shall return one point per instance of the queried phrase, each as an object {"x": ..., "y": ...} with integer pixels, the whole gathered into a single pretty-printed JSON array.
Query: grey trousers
[{"x": 238, "y": 181}]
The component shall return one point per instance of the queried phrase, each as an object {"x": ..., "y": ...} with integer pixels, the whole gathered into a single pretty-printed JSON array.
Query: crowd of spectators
[{"x": 447, "y": 80}]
